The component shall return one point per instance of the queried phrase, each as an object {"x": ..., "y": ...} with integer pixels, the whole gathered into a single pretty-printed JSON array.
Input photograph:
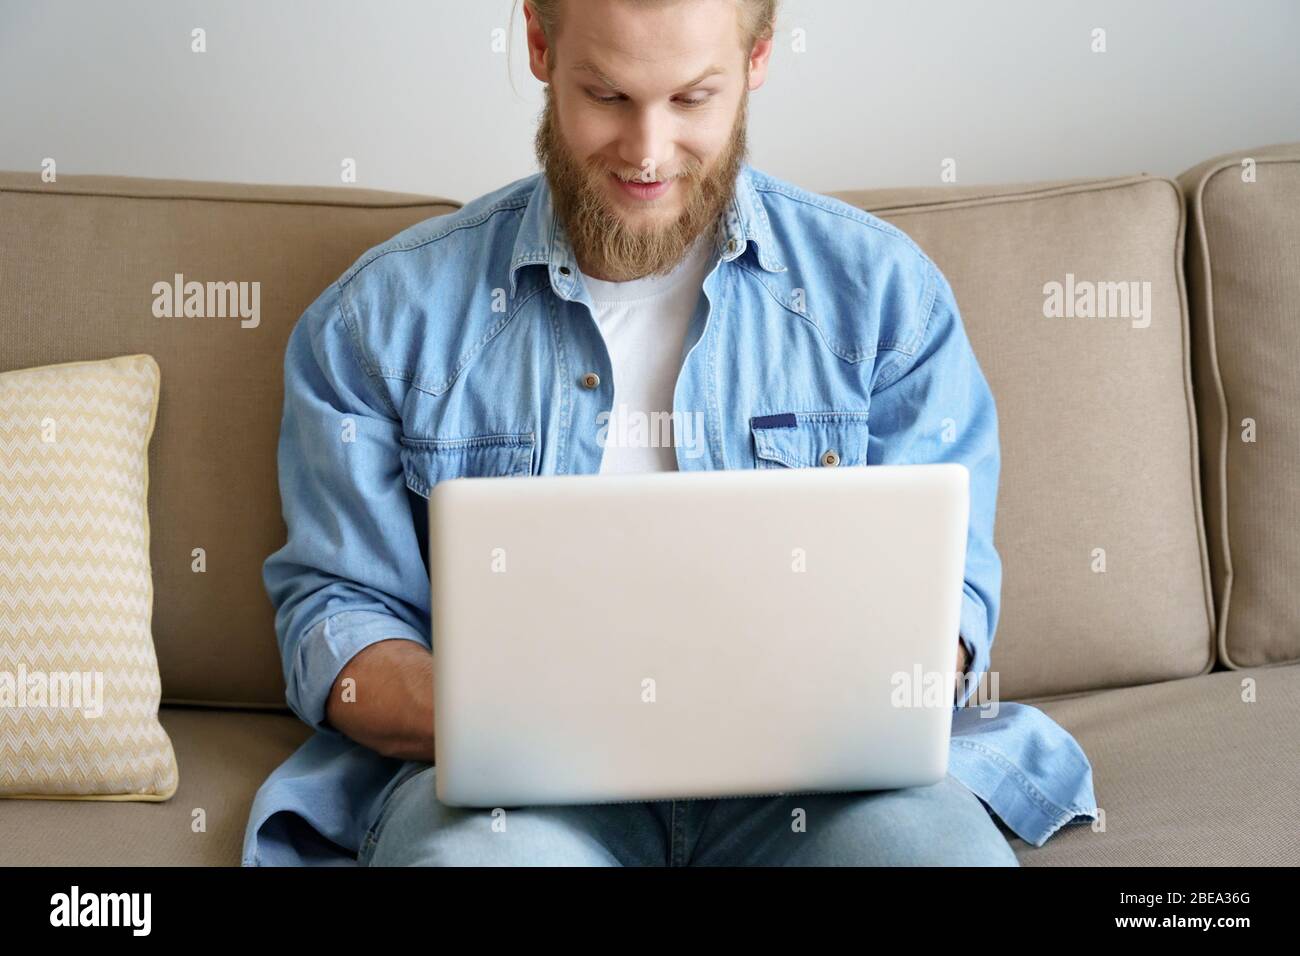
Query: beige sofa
[{"x": 1151, "y": 554}]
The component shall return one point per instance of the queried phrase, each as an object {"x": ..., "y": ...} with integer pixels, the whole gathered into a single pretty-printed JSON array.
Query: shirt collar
[{"x": 542, "y": 240}]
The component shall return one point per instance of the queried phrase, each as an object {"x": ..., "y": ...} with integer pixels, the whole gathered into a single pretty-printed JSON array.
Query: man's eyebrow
[{"x": 588, "y": 67}]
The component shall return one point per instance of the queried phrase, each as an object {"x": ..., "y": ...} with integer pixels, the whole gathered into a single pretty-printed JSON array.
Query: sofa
[{"x": 1142, "y": 340}]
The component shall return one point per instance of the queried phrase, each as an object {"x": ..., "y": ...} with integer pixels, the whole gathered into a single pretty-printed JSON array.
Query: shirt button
[
  {"x": 590, "y": 380},
  {"x": 830, "y": 459},
  {"x": 732, "y": 245},
  {"x": 564, "y": 270}
]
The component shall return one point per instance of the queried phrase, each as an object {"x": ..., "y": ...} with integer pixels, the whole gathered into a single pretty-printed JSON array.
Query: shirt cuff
[{"x": 325, "y": 650}]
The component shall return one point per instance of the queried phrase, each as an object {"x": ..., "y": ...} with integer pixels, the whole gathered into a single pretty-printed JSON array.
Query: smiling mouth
[{"x": 637, "y": 189}]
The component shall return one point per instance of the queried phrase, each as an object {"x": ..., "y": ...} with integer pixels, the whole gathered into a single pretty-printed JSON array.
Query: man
[{"x": 649, "y": 272}]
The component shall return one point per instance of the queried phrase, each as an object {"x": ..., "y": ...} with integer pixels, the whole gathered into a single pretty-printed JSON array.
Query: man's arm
[
  {"x": 349, "y": 585},
  {"x": 934, "y": 405},
  {"x": 383, "y": 698}
]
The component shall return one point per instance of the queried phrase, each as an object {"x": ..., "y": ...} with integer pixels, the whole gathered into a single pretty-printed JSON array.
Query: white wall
[{"x": 414, "y": 92}]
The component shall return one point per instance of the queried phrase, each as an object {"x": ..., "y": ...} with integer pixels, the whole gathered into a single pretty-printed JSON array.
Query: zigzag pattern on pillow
[{"x": 79, "y": 686}]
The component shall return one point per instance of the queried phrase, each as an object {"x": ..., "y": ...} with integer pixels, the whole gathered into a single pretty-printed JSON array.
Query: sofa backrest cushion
[
  {"x": 1099, "y": 452},
  {"x": 1243, "y": 267},
  {"x": 79, "y": 260}
]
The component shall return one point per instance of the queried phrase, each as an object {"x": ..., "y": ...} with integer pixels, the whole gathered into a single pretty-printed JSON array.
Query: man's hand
[{"x": 388, "y": 707}]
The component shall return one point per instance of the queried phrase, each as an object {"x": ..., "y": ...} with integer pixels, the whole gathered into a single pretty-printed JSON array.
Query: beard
[{"x": 604, "y": 244}]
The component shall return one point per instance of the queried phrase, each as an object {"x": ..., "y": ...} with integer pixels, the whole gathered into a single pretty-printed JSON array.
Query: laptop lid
[{"x": 694, "y": 634}]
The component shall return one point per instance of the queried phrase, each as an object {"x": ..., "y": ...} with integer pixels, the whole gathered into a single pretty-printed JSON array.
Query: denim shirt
[{"x": 462, "y": 347}]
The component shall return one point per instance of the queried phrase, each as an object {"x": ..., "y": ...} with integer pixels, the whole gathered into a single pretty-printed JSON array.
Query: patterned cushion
[{"x": 79, "y": 685}]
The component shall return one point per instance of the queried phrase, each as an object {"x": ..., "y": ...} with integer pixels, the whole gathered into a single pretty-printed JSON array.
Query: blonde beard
[{"x": 603, "y": 244}]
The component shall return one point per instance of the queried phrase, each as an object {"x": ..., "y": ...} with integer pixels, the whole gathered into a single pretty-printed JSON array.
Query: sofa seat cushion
[
  {"x": 224, "y": 755},
  {"x": 1187, "y": 772}
]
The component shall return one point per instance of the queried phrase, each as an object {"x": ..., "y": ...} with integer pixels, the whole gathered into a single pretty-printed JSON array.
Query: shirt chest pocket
[
  {"x": 427, "y": 461},
  {"x": 810, "y": 439}
]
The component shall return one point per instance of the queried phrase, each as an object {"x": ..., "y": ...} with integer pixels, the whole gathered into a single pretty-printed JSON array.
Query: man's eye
[{"x": 617, "y": 97}]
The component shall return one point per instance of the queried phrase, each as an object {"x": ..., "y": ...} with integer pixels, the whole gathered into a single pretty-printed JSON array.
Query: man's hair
[{"x": 757, "y": 18}]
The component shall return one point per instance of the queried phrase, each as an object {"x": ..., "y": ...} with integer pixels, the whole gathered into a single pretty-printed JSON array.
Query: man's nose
[{"x": 646, "y": 143}]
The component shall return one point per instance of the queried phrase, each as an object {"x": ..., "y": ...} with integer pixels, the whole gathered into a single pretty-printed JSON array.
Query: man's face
[{"x": 641, "y": 158}]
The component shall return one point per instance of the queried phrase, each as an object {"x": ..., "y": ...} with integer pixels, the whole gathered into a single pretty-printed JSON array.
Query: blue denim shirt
[{"x": 459, "y": 348}]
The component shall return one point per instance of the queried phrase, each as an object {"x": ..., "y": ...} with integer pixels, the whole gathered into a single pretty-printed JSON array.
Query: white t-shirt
[{"x": 644, "y": 324}]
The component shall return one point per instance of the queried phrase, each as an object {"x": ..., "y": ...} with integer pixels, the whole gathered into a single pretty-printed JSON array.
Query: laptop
[{"x": 685, "y": 635}]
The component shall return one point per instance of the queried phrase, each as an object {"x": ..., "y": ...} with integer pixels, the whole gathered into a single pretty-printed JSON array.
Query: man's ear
[
  {"x": 758, "y": 60},
  {"x": 538, "y": 46}
]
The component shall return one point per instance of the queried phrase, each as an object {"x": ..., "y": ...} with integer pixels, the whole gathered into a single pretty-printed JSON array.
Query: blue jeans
[{"x": 939, "y": 825}]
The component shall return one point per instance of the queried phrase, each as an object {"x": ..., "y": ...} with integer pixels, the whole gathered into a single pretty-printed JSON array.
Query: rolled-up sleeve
[
  {"x": 934, "y": 405},
  {"x": 351, "y": 571}
]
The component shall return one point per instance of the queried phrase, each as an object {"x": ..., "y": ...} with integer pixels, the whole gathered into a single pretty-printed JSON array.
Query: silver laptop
[{"x": 699, "y": 634}]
